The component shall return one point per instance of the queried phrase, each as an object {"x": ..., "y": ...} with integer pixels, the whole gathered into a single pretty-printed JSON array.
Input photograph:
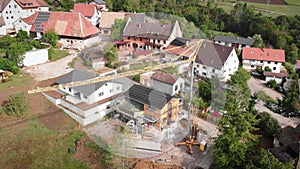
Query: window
[
  {"x": 141, "y": 39},
  {"x": 176, "y": 87},
  {"x": 204, "y": 67},
  {"x": 6, "y": 12},
  {"x": 7, "y": 17},
  {"x": 9, "y": 6},
  {"x": 213, "y": 70},
  {"x": 203, "y": 74},
  {"x": 101, "y": 94},
  {"x": 269, "y": 62},
  {"x": 229, "y": 69},
  {"x": 158, "y": 41},
  {"x": 274, "y": 68},
  {"x": 111, "y": 90},
  {"x": 276, "y": 63},
  {"x": 165, "y": 42},
  {"x": 118, "y": 88},
  {"x": 252, "y": 66},
  {"x": 70, "y": 89},
  {"x": 128, "y": 38},
  {"x": 261, "y": 61},
  {"x": 15, "y": 6}
]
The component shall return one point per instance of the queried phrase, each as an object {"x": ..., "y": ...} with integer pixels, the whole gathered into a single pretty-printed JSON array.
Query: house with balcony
[
  {"x": 73, "y": 29},
  {"x": 147, "y": 105},
  {"x": 144, "y": 35},
  {"x": 86, "y": 103},
  {"x": 265, "y": 58},
  {"x": 215, "y": 60},
  {"x": 235, "y": 42},
  {"x": 162, "y": 81},
  {"x": 89, "y": 11},
  {"x": 12, "y": 10}
]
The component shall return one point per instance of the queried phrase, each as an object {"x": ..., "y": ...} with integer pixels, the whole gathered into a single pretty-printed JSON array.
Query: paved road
[
  {"x": 51, "y": 69},
  {"x": 257, "y": 85}
]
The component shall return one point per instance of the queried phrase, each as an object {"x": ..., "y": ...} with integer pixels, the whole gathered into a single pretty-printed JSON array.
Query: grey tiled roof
[
  {"x": 148, "y": 96},
  {"x": 213, "y": 55},
  {"x": 148, "y": 30},
  {"x": 79, "y": 75},
  {"x": 232, "y": 39}
]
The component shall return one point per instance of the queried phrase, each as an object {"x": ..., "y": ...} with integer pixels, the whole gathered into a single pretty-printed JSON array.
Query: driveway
[
  {"x": 283, "y": 121},
  {"x": 51, "y": 69},
  {"x": 257, "y": 85}
]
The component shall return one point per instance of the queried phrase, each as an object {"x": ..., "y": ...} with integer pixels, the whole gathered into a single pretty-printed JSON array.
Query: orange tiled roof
[
  {"x": 275, "y": 55},
  {"x": 85, "y": 9},
  {"x": 33, "y": 3},
  {"x": 164, "y": 77},
  {"x": 108, "y": 18},
  {"x": 72, "y": 24},
  {"x": 30, "y": 20}
]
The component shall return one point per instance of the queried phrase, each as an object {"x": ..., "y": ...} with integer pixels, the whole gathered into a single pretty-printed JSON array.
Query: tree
[
  {"x": 117, "y": 29},
  {"x": 272, "y": 83},
  {"x": 22, "y": 35},
  {"x": 15, "y": 52},
  {"x": 204, "y": 90},
  {"x": 16, "y": 105},
  {"x": 291, "y": 97},
  {"x": 265, "y": 159},
  {"x": 50, "y": 37},
  {"x": 268, "y": 123},
  {"x": 258, "y": 43},
  {"x": 236, "y": 139},
  {"x": 110, "y": 52}
]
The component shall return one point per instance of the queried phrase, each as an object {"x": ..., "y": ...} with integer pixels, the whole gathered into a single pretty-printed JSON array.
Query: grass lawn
[
  {"x": 35, "y": 146},
  {"x": 293, "y": 2},
  {"x": 20, "y": 79},
  {"x": 264, "y": 97},
  {"x": 55, "y": 54}
]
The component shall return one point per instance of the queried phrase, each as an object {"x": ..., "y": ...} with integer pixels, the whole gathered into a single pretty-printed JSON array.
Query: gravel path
[
  {"x": 257, "y": 85},
  {"x": 51, "y": 69}
]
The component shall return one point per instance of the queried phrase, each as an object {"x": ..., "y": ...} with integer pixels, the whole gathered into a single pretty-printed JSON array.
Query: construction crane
[{"x": 97, "y": 79}]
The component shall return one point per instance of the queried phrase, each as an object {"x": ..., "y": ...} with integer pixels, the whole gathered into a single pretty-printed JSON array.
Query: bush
[
  {"x": 272, "y": 83},
  {"x": 16, "y": 105},
  {"x": 6, "y": 64},
  {"x": 55, "y": 54},
  {"x": 268, "y": 69}
]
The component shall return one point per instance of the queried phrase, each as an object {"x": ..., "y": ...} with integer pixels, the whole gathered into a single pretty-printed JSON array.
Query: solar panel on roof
[{"x": 42, "y": 17}]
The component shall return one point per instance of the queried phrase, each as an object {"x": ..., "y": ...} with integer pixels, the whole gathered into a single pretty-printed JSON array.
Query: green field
[{"x": 291, "y": 9}]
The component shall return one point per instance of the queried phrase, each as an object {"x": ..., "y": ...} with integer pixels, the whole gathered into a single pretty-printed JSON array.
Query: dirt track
[{"x": 274, "y": 2}]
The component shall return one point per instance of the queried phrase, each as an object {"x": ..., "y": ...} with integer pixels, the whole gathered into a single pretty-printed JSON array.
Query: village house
[
  {"x": 215, "y": 60},
  {"x": 73, "y": 29},
  {"x": 85, "y": 103},
  {"x": 108, "y": 19},
  {"x": 89, "y": 11},
  {"x": 101, "y": 5},
  {"x": 147, "y": 105},
  {"x": 162, "y": 81},
  {"x": 12, "y": 10},
  {"x": 141, "y": 35},
  {"x": 235, "y": 42},
  {"x": 269, "y": 60}
]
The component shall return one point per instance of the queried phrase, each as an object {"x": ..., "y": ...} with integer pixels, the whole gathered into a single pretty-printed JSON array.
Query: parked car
[
  {"x": 292, "y": 114},
  {"x": 256, "y": 74},
  {"x": 279, "y": 89},
  {"x": 272, "y": 106}
]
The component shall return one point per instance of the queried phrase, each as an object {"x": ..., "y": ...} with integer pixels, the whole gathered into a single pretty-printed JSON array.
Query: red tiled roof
[
  {"x": 3, "y": 4},
  {"x": 275, "y": 55},
  {"x": 164, "y": 77},
  {"x": 71, "y": 24},
  {"x": 85, "y": 9},
  {"x": 120, "y": 42},
  {"x": 298, "y": 64},
  {"x": 280, "y": 75},
  {"x": 2, "y": 22},
  {"x": 33, "y": 3},
  {"x": 30, "y": 20}
]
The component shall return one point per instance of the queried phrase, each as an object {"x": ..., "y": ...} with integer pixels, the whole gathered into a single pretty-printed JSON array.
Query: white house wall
[
  {"x": 91, "y": 41},
  {"x": 21, "y": 25},
  {"x": 108, "y": 90},
  {"x": 35, "y": 57},
  {"x": 253, "y": 64},
  {"x": 231, "y": 65}
]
